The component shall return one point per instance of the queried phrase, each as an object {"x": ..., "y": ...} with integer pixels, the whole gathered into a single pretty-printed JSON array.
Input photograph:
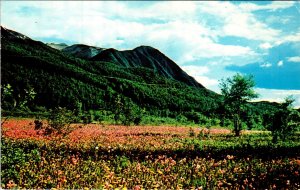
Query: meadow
[{"x": 145, "y": 157}]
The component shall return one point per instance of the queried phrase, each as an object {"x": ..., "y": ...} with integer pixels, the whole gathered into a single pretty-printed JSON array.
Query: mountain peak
[
  {"x": 143, "y": 47},
  {"x": 148, "y": 57},
  {"x": 82, "y": 51}
]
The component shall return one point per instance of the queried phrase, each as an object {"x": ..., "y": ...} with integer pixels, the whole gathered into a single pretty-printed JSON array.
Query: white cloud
[
  {"x": 272, "y": 19},
  {"x": 172, "y": 10},
  {"x": 294, "y": 38},
  {"x": 273, "y": 6},
  {"x": 198, "y": 73},
  {"x": 265, "y": 45},
  {"x": 246, "y": 26},
  {"x": 294, "y": 59},
  {"x": 266, "y": 65},
  {"x": 240, "y": 22},
  {"x": 275, "y": 95},
  {"x": 280, "y": 63},
  {"x": 206, "y": 81},
  {"x": 195, "y": 70}
]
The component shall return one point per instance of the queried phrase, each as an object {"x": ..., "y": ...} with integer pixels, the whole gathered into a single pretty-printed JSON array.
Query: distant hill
[
  {"x": 152, "y": 81},
  {"x": 58, "y": 46},
  {"x": 82, "y": 51}
]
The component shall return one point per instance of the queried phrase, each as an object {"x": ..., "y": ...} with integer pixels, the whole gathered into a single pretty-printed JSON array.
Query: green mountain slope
[
  {"x": 60, "y": 79},
  {"x": 145, "y": 56}
]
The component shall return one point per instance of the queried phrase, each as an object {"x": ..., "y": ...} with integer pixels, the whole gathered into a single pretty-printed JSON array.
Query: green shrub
[
  {"x": 59, "y": 121},
  {"x": 181, "y": 119}
]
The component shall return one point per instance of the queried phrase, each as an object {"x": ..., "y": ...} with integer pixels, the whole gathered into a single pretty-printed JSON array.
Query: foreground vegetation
[{"x": 96, "y": 156}]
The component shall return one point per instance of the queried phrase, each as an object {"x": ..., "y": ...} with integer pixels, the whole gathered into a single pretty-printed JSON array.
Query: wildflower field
[{"x": 145, "y": 157}]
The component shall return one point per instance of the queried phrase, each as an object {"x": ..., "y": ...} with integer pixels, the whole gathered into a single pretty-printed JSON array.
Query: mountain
[
  {"x": 82, "y": 51},
  {"x": 10, "y": 34},
  {"x": 145, "y": 56},
  {"x": 58, "y": 46},
  {"x": 59, "y": 79}
]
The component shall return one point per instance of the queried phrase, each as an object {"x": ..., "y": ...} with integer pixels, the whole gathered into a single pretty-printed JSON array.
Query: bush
[
  {"x": 131, "y": 114},
  {"x": 181, "y": 119},
  {"x": 99, "y": 116},
  {"x": 214, "y": 122},
  {"x": 203, "y": 120},
  {"x": 87, "y": 117},
  {"x": 192, "y": 116},
  {"x": 126, "y": 112},
  {"x": 59, "y": 121}
]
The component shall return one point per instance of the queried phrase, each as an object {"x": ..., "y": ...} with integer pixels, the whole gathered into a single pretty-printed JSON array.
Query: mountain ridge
[
  {"x": 60, "y": 79},
  {"x": 141, "y": 56},
  {"x": 149, "y": 57},
  {"x": 10, "y": 34}
]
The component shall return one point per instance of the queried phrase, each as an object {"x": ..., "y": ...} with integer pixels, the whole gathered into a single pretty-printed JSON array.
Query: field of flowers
[{"x": 145, "y": 157}]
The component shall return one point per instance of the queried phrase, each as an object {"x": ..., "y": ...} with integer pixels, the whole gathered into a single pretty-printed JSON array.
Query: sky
[{"x": 210, "y": 40}]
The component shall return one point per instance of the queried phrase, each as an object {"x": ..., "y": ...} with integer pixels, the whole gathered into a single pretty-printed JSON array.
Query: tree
[
  {"x": 126, "y": 111},
  {"x": 285, "y": 120},
  {"x": 59, "y": 120},
  {"x": 237, "y": 91}
]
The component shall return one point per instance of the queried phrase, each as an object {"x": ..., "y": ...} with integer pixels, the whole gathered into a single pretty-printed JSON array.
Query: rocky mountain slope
[{"x": 82, "y": 51}]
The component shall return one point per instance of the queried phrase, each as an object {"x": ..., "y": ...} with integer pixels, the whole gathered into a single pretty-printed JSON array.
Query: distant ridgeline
[{"x": 93, "y": 78}]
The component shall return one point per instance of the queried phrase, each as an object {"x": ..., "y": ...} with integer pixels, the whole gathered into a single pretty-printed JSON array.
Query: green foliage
[
  {"x": 6, "y": 97},
  {"x": 181, "y": 118},
  {"x": 59, "y": 121},
  {"x": 14, "y": 98},
  {"x": 237, "y": 91},
  {"x": 87, "y": 117},
  {"x": 285, "y": 121},
  {"x": 14, "y": 158},
  {"x": 126, "y": 112}
]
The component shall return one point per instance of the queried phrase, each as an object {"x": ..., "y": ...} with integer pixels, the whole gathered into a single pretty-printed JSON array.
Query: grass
[{"x": 145, "y": 157}]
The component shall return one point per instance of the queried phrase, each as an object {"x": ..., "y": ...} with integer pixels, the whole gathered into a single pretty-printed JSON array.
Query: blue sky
[{"x": 209, "y": 40}]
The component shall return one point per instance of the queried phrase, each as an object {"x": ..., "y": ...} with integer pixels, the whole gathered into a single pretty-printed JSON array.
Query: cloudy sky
[{"x": 209, "y": 40}]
